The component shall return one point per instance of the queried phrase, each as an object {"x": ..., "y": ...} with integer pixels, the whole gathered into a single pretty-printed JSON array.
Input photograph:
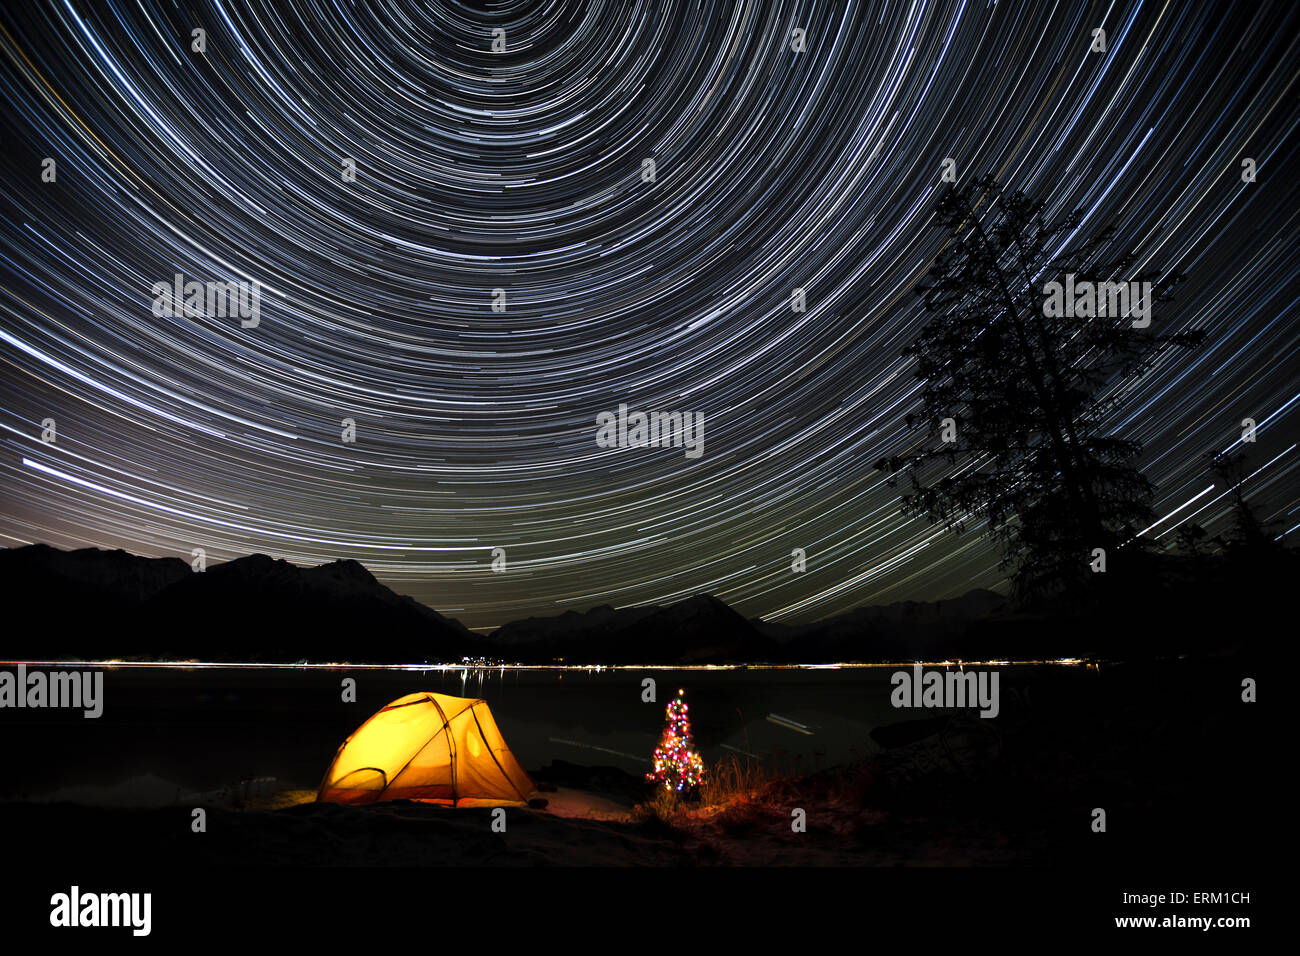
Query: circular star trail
[{"x": 500, "y": 160}]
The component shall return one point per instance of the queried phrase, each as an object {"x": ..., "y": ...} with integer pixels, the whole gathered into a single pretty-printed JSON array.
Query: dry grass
[
  {"x": 659, "y": 808},
  {"x": 732, "y": 778},
  {"x": 732, "y": 788}
]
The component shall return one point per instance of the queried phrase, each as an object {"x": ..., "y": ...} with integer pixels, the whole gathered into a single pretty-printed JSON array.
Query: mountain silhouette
[
  {"x": 116, "y": 577},
  {"x": 95, "y": 604},
  {"x": 699, "y": 629},
  {"x": 91, "y": 604},
  {"x": 906, "y": 629}
]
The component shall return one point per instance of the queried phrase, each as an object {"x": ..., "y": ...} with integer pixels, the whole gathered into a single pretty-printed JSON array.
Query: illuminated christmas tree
[{"x": 677, "y": 764}]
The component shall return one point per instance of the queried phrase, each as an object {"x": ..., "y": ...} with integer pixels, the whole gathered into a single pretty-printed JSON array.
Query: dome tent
[{"x": 428, "y": 747}]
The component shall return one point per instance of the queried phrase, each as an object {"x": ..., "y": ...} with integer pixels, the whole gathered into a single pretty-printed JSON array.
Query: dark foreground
[{"x": 1167, "y": 749}]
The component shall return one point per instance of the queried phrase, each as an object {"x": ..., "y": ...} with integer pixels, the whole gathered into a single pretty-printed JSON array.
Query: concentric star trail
[{"x": 524, "y": 171}]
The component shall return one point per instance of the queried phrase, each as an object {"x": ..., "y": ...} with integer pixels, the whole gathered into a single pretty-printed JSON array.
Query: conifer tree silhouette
[{"x": 1032, "y": 397}]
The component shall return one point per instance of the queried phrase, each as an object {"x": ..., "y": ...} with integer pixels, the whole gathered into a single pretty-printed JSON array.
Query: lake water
[{"x": 203, "y": 728}]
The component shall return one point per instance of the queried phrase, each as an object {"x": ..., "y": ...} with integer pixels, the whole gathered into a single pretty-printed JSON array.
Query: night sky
[{"x": 523, "y": 171}]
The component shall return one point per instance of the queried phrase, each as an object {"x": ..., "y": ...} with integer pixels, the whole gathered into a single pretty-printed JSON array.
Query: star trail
[{"x": 504, "y": 266}]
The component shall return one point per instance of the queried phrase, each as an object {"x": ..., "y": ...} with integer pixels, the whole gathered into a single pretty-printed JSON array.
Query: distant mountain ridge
[
  {"x": 697, "y": 629},
  {"x": 905, "y": 629},
  {"x": 96, "y": 604},
  {"x": 112, "y": 604}
]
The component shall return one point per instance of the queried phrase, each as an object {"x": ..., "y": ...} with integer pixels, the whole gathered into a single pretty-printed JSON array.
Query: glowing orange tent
[{"x": 432, "y": 748}]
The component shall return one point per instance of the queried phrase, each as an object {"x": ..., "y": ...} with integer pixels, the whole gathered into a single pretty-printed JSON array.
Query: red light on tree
[{"x": 677, "y": 764}]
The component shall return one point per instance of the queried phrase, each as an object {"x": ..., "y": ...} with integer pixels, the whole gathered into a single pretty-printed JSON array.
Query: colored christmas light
[{"x": 677, "y": 764}]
